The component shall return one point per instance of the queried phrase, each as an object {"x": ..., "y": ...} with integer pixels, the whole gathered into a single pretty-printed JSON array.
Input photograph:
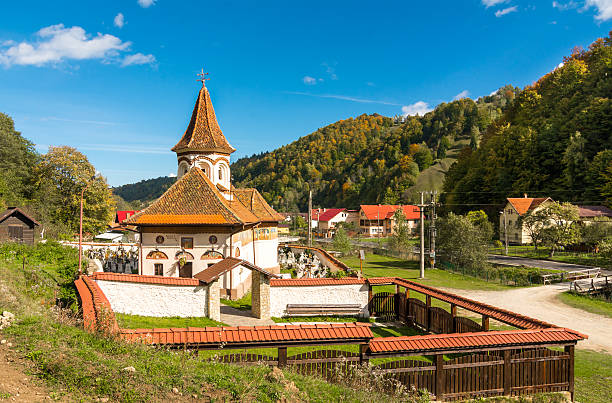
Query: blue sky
[{"x": 117, "y": 79}]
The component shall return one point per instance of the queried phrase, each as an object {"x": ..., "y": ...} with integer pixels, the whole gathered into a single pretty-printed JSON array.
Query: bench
[{"x": 323, "y": 309}]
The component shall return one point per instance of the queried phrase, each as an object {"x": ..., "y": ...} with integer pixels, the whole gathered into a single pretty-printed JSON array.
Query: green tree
[
  {"x": 596, "y": 231},
  {"x": 480, "y": 219},
  {"x": 534, "y": 221},
  {"x": 461, "y": 241},
  {"x": 62, "y": 174},
  {"x": 341, "y": 242},
  {"x": 400, "y": 240},
  {"x": 560, "y": 227}
]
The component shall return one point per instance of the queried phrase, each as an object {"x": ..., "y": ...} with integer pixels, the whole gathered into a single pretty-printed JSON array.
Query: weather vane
[{"x": 203, "y": 77}]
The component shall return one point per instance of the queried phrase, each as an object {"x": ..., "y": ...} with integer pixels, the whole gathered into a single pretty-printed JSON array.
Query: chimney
[{"x": 525, "y": 195}]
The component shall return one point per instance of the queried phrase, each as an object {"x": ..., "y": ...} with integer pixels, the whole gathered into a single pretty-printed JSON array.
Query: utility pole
[
  {"x": 310, "y": 218},
  {"x": 432, "y": 244},
  {"x": 422, "y": 219}
]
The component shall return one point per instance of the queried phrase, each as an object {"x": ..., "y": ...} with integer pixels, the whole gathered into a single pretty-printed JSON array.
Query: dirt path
[
  {"x": 15, "y": 384},
  {"x": 542, "y": 303}
]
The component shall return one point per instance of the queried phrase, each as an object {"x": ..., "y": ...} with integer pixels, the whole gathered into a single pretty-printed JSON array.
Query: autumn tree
[{"x": 62, "y": 174}]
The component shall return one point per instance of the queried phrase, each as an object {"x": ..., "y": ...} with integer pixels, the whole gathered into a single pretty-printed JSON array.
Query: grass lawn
[
  {"x": 593, "y": 376},
  {"x": 385, "y": 266},
  {"x": 243, "y": 303},
  {"x": 151, "y": 322},
  {"x": 587, "y": 303},
  {"x": 331, "y": 318}
]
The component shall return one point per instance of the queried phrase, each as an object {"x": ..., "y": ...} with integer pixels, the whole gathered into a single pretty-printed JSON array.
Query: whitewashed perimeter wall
[
  {"x": 280, "y": 297},
  {"x": 155, "y": 299}
]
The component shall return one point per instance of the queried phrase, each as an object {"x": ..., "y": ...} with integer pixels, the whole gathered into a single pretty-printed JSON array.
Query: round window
[
  {"x": 212, "y": 239},
  {"x": 159, "y": 239}
]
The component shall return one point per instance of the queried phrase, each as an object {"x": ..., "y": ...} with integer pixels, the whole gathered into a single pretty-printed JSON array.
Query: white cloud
[
  {"x": 137, "y": 58},
  {"x": 119, "y": 20},
  {"x": 57, "y": 43},
  {"x": 417, "y": 108},
  {"x": 309, "y": 80},
  {"x": 146, "y": 3},
  {"x": 505, "y": 11},
  {"x": 172, "y": 175},
  {"x": 604, "y": 8},
  {"x": 565, "y": 6},
  {"x": 491, "y": 3},
  {"x": 461, "y": 95},
  {"x": 330, "y": 70}
]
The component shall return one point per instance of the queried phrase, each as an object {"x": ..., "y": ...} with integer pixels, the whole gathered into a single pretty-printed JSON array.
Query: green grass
[
  {"x": 593, "y": 376},
  {"x": 331, "y": 318},
  {"x": 81, "y": 366},
  {"x": 587, "y": 303},
  {"x": 151, "y": 322},
  {"x": 243, "y": 303},
  {"x": 385, "y": 266}
]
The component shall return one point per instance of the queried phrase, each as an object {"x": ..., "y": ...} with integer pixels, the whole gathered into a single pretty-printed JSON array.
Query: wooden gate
[{"x": 383, "y": 305}]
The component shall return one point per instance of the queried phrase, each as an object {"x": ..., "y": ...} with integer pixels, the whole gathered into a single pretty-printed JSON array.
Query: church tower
[{"x": 203, "y": 145}]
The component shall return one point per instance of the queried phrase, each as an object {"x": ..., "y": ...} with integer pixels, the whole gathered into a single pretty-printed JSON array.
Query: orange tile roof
[
  {"x": 193, "y": 200},
  {"x": 218, "y": 269},
  {"x": 524, "y": 204},
  {"x": 461, "y": 341},
  {"x": 302, "y": 282},
  {"x": 254, "y": 202},
  {"x": 260, "y": 335},
  {"x": 382, "y": 211},
  {"x": 138, "y": 278},
  {"x": 203, "y": 132},
  {"x": 97, "y": 311}
]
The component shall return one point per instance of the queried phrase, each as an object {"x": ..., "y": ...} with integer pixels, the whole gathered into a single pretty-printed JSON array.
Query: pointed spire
[{"x": 203, "y": 133}]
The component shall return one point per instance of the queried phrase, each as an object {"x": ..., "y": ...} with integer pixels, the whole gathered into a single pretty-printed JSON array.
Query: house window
[
  {"x": 220, "y": 173},
  {"x": 187, "y": 243},
  {"x": 159, "y": 269}
]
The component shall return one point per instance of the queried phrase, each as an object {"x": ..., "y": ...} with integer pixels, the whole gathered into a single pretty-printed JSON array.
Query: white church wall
[
  {"x": 155, "y": 299},
  {"x": 281, "y": 296},
  {"x": 266, "y": 253}
]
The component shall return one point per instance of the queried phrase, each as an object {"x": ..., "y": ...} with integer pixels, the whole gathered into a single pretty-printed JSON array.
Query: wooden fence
[
  {"x": 384, "y": 305},
  {"x": 483, "y": 373}
]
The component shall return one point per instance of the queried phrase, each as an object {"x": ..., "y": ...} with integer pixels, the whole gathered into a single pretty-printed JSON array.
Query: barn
[{"x": 17, "y": 226}]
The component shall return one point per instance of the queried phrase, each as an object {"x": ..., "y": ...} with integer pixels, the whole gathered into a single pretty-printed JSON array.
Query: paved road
[
  {"x": 543, "y": 303},
  {"x": 542, "y": 264}
]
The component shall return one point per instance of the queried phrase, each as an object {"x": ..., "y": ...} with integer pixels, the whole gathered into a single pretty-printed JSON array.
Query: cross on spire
[{"x": 203, "y": 77}]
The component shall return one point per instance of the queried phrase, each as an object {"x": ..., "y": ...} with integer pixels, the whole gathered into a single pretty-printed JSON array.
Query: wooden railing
[{"x": 481, "y": 374}]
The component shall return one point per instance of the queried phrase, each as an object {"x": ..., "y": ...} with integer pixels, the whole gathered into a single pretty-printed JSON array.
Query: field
[
  {"x": 587, "y": 303},
  {"x": 385, "y": 266},
  {"x": 150, "y": 322}
]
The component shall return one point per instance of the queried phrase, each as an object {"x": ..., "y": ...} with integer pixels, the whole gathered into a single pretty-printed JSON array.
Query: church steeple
[
  {"x": 203, "y": 133},
  {"x": 203, "y": 145}
]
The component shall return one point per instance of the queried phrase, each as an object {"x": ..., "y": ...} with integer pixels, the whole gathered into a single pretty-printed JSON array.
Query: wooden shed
[{"x": 17, "y": 226}]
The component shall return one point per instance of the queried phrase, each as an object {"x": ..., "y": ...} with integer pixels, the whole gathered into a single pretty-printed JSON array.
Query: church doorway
[{"x": 186, "y": 270}]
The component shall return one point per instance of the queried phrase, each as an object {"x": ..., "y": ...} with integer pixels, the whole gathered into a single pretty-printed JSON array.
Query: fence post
[
  {"x": 428, "y": 312},
  {"x": 454, "y": 316},
  {"x": 397, "y": 301},
  {"x": 282, "y": 357},
  {"x": 370, "y": 304},
  {"x": 363, "y": 359},
  {"x": 507, "y": 372},
  {"x": 439, "y": 377},
  {"x": 485, "y": 323},
  {"x": 570, "y": 369}
]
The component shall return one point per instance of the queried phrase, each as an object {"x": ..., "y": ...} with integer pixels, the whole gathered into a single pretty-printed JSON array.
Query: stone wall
[
  {"x": 281, "y": 296},
  {"x": 156, "y": 299}
]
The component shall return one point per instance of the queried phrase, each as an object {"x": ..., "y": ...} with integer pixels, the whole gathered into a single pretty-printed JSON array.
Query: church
[{"x": 203, "y": 219}]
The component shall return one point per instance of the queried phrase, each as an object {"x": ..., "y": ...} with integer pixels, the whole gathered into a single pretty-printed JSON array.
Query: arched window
[
  {"x": 212, "y": 254},
  {"x": 186, "y": 255},
  {"x": 156, "y": 254},
  {"x": 220, "y": 173}
]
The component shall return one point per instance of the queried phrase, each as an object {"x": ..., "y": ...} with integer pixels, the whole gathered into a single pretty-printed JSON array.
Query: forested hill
[
  {"x": 368, "y": 159},
  {"x": 145, "y": 190},
  {"x": 555, "y": 140}
]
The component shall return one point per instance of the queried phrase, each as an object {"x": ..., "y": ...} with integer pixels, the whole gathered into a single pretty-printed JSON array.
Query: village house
[
  {"x": 588, "y": 214},
  {"x": 510, "y": 218},
  {"x": 202, "y": 219},
  {"x": 17, "y": 226},
  {"x": 378, "y": 221}
]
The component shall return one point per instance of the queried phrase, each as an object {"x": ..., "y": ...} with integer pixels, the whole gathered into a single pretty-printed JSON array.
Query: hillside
[
  {"x": 555, "y": 140},
  {"x": 367, "y": 159},
  {"x": 370, "y": 159}
]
